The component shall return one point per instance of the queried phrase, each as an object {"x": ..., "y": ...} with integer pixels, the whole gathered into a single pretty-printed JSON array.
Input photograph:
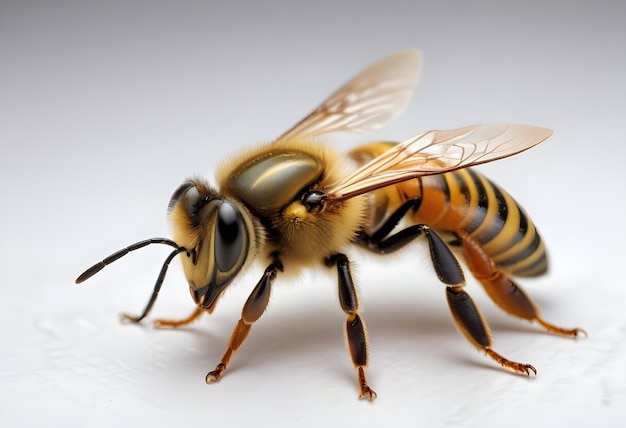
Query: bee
[{"x": 296, "y": 202}]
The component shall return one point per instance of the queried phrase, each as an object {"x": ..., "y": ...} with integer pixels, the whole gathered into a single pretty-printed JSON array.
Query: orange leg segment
[
  {"x": 252, "y": 311},
  {"x": 236, "y": 340},
  {"x": 503, "y": 291},
  {"x": 164, "y": 323}
]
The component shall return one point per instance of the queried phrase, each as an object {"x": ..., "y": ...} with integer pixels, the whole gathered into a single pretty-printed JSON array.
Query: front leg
[
  {"x": 170, "y": 323},
  {"x": 356, "y": 332},
  {"x": 252, "y": 311}
]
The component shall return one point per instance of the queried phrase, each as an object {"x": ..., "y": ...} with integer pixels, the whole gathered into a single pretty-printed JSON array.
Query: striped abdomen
[{"x": 465, "y": 200}]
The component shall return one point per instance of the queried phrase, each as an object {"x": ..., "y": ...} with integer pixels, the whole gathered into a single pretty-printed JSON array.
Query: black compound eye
[{"x": 229, "y": 237}]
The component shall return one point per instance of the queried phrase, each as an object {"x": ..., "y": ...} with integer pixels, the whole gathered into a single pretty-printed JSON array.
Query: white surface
[{"x": 106, "y": 106}]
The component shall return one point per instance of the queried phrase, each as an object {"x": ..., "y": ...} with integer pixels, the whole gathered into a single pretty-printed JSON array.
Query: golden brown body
[{"x": 295, "y": 203}]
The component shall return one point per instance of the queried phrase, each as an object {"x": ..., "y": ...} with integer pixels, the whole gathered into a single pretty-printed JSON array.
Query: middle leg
[{"x": 356, "y": 331}]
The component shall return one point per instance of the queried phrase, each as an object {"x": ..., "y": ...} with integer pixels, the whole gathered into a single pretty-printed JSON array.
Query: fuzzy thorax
[{"x": 307, "y": 238}]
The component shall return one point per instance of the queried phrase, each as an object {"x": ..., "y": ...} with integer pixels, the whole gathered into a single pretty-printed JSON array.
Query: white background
[{"x": 105, "y": 107}]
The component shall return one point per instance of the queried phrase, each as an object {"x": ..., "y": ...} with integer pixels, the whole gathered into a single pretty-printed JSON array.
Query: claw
[
  {"x": 216, "y": 374},
  {"x": 518, "y": 368},
  {"x": 578, "y": 332},
  {"x": 526, "y": 369},
  {"x": 367, "y": 392}
]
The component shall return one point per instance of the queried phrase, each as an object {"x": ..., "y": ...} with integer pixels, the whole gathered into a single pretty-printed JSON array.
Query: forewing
[
  {"x": 435, "y": 152},
  {"x": 367, "y": 101}
]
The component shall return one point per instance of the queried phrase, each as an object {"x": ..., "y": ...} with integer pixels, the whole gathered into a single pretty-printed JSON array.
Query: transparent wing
[
  {"x": 435, "y": 152},
  {"x": 367, "y": 101}
]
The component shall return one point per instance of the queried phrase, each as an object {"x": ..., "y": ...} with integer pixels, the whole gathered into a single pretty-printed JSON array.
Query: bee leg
[
  {"x": 465, "y": 313},
  {"x": 252, "y": 311},
  {"x": 473, "y": 326},
  {"x": 164, "y": 323},
  {"x": 503, "y": 291},
  {"x": 445, "y": 263},
  {"x": 356, "y": 331}
]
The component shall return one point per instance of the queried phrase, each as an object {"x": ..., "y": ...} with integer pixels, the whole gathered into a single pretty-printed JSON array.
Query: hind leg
[
  {"x": 504, "y": 291},
  {"x": 471, "y": 323},
  {"x": 465, "y": 313}
]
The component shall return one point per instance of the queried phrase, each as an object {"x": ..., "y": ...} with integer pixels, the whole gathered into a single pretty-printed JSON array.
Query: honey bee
[{"x": 296, "y": 203}]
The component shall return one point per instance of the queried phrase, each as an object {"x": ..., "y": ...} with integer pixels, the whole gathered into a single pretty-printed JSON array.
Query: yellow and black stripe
[{"x": 466, "y": 200}]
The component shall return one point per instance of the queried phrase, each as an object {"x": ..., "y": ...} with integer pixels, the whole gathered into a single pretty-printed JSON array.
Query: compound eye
[{"x": 230, "y": 237}]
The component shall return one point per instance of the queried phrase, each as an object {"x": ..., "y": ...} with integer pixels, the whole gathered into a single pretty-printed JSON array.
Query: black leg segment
[
  {"x": 445, "y": 263},
  {"x": 357, "y": 340},
  {"x": 356, "y": 332},
  {"x": 260, "y": 296},
  {"x": 467, "y": 317},
  {"x": 347, "y": 292}
]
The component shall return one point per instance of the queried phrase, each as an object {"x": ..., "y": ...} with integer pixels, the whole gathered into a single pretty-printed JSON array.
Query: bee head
[{"x": 219, "y": 235}]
